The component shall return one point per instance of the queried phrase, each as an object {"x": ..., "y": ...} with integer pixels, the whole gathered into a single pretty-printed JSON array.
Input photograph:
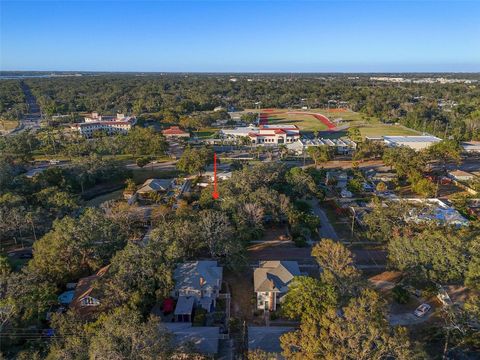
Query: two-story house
[
  {"x": 271, "y": 280},
  {"x": 197, "y": 284}
]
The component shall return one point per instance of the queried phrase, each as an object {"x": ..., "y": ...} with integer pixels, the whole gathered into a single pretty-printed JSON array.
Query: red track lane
[{"x": 326, "y": 121}]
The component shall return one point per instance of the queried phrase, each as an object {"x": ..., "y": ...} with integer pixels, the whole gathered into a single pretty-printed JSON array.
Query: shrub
[
  {"x": 400, "y": 295},
  {"x": 200, "y": 317}
]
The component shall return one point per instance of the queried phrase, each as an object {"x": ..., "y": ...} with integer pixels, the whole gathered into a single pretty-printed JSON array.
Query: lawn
[
  {"x": 206, "y": 133},
  {"x": 7, "y": 125},
  {"x": 379, "y": 129}
]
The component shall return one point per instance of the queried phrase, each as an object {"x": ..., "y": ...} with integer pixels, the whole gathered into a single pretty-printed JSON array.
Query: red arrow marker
[{"x": 215, "y": 189}]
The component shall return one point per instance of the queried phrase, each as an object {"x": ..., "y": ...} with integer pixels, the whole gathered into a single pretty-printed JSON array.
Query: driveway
[
  {"x": 326, "y": 228},
  {"x": 407, "y": 319}
]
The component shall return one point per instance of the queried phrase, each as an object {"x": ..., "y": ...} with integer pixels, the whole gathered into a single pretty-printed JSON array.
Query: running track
[{"x": 326, "y": 121}]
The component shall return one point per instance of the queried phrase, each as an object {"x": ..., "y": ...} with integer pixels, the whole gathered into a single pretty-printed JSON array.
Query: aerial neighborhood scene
[{"x": 251, "y": 180}]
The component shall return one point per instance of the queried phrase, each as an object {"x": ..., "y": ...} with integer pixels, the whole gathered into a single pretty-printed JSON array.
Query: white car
[{"x": 422, "y": 310}]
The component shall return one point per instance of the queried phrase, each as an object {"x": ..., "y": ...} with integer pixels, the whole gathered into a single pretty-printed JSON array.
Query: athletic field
[{"x": 336, "y": 123}]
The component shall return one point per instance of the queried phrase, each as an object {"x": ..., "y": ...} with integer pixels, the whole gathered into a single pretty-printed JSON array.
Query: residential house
[
  {"x": 175, "y": 132},
  {"x": 153, "y": 186},
  {"x": 471, "y": 147},
  {"x": 461, "y": 175},
  {"x": 110, "y": 125},
  {"x": 337, "y": 178},
  {"x": 271, "y": 280},
  {"x": 222, "y": 175},
  {"x": 85, "y": 298},
  {"x": 428, "y": 210},
  {"x": 200, "y": 281}
]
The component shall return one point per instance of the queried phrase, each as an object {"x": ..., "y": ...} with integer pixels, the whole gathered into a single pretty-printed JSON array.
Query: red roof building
[{"x": 175, "y": 131}]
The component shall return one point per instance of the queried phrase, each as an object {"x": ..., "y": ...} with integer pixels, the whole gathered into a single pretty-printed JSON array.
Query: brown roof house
[
  {"x": 271, "y": 280},
  {"x": 152, "y": 187},
  {"x": 86, "y": 299}
]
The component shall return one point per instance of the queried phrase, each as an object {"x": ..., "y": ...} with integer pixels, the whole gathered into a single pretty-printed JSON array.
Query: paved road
[
  {"x": 32, "y": 119},
  {"x": 167, "y": 165}
]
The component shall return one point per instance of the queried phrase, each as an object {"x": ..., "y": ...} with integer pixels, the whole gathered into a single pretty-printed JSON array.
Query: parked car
[{"x": 422, "y": 310}]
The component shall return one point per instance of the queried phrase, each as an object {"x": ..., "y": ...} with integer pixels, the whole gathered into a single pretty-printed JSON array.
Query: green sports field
[{"x": 368, "y": 126}]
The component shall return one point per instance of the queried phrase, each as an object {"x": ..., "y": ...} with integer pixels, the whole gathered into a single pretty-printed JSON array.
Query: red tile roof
[{"x": 174, "y": 130}]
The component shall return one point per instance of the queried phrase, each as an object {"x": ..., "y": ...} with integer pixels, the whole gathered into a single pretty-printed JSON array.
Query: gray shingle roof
[
  {"x": 274, "y": 275},
  {"x": 191, "y": 275},
  {"x": 184, "y": 305},
  {"x": 155, "y": 185}
]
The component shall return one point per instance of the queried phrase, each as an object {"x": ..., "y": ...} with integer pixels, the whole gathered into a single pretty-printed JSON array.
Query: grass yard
[
  {"x": 7, "y": 125},
  {"x": 385, "y": 130},
  {"x": 304, "y": 122},
  {"x": 206, "y": 133}
]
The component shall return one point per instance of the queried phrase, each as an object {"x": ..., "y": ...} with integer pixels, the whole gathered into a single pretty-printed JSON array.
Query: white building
[
  {"x": 200, "y": 280},
  {"x": 119, "y": 124},
  {"x": 341, "y": 146},
  {"x": 265, "y": 134},
  {"x": 414, "y": 142}
]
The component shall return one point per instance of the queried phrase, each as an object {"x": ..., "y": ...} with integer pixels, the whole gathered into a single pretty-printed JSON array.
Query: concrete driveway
[
  {"x": 326, "y": 228},
  {"x": 407, "y": 319}
]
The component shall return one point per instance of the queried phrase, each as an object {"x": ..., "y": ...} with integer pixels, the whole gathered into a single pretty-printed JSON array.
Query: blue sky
[{"x": 230, "y": 36}]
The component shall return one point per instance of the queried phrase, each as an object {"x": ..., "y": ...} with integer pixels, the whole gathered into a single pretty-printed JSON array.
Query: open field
[
  {"x": 205, "y": 133},
  {"x": 304, "y": 122},
  {"x": 378, "y": 129},
  {"x": 7, "y": 125}
]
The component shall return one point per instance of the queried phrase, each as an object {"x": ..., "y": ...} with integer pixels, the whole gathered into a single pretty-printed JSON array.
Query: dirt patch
[
  {"x": 241, "y": 288},
  {"x": 276, "y": 233}
]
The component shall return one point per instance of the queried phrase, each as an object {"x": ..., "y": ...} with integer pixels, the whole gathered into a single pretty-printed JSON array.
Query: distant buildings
[
  {"x": 265, "y": 134},
  {"x": 119, "y": 124},
  {"x": 426, "y": 80}
]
